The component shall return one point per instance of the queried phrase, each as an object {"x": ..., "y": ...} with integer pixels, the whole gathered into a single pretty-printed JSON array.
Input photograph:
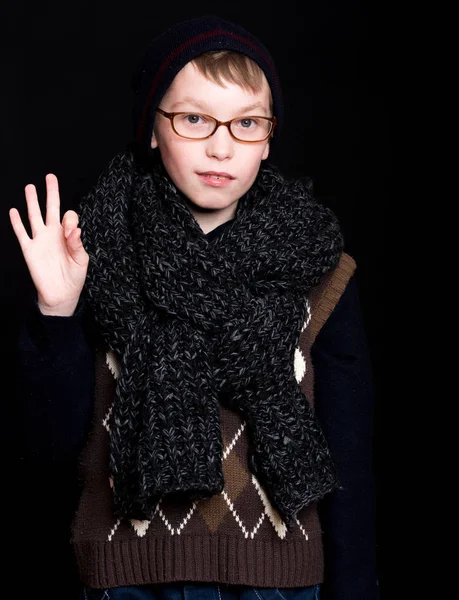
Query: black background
[{"x": 66, "y": 109}]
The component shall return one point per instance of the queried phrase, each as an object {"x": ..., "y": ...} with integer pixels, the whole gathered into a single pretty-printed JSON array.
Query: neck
[{"x": 210, "y": 219}]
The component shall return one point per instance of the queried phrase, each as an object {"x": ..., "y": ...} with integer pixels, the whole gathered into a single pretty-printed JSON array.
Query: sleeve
[
  {"x": 344, "y": 404},
  {"x": 54, "y": 384}
]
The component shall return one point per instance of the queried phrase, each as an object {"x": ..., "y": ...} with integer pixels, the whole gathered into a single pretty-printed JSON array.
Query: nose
[{"x": 221, "y": 144}]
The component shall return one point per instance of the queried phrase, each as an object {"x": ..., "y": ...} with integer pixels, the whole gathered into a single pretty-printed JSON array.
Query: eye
[
  {"x": 193, "y": 119},
  {"x": 246, "y": 123}
]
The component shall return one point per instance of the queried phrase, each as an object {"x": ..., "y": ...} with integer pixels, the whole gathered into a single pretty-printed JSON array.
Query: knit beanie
[{"x": 172, "y": 50}]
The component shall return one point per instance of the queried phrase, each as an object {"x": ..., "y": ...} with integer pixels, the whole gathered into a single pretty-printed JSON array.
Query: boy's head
[
  {"x": 205, "y": 68},
  {"x": 172, "y": 50}
]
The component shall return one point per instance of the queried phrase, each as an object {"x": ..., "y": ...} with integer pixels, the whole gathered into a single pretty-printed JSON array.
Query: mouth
[
  {"x": 215, "y": 179},
  {"x": 216, "y": 175}
]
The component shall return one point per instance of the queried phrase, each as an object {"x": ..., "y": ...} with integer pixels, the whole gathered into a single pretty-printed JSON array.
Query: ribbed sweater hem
[{"x": 220, "y": 559}]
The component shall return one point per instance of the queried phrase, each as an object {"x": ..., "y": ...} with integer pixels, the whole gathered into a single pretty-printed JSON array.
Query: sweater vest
[{"x": 235, "y": 537}]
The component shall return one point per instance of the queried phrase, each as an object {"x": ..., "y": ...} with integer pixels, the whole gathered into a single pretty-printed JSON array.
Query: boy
[{"x": 210, "y": 281}]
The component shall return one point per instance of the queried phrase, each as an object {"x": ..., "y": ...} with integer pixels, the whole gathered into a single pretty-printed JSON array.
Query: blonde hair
[{"x": 220, "y": 66}]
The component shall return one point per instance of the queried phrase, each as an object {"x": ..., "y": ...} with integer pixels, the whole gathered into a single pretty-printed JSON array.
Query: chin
[
  {"x": 211, "y": 204},
  {"x": 209, "y": 208}
]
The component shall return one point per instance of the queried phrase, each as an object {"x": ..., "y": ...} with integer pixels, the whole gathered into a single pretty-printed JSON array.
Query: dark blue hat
[{"x": 178, "y": 45}]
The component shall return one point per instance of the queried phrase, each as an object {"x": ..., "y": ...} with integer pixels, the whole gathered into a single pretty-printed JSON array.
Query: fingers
[
  {"x": 33, "y": 209},
  {"x": 69, "y": 222},
  {"x": 76, "y": 249},
  {"x": 74, "y": 240},
  {"x": 52, "y": 200},
  {"x": 18, "y": 227}
]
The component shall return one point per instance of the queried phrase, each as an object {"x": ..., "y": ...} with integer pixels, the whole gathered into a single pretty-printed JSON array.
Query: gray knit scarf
[{"x": 196, "y": 324}]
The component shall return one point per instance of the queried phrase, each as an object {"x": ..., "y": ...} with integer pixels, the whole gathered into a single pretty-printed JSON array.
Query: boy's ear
[
  {"x": 265, "y": 152},
  {"x": 154, "y": 141}
]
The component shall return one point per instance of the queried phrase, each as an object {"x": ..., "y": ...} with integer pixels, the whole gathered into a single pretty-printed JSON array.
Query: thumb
[{"x": 75, "y": 245}]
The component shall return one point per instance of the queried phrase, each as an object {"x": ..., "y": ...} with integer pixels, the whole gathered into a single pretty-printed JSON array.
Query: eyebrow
[{"x": 205, "y": 108}]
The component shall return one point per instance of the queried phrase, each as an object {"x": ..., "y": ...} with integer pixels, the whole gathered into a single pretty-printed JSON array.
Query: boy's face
[{"x": 212, "y": 201}]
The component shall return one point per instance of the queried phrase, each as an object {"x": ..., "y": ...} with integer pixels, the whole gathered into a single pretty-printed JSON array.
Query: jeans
[{"x": 202, "y": 591}]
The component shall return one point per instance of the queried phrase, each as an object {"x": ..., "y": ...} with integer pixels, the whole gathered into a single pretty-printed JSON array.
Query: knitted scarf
[{"x": 195, "y": 324}]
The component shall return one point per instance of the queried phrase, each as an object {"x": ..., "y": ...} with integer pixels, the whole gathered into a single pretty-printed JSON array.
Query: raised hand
[{"x": 55, "y": 256}]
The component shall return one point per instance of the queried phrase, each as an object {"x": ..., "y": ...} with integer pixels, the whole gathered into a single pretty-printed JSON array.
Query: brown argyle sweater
[{"x": 235, "y": 537}]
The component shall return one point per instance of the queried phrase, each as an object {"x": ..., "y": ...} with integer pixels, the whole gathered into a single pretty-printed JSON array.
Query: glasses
[{"x": 196, "y": 126}]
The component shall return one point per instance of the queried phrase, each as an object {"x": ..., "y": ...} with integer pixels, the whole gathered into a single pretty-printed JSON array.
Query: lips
[
  {"x": 216, "y": 179},
  {"x": 216, "y": 175}
]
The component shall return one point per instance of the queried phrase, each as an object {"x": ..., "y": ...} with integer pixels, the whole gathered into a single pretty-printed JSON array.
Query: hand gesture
[{"x": 55, "y": 256}]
